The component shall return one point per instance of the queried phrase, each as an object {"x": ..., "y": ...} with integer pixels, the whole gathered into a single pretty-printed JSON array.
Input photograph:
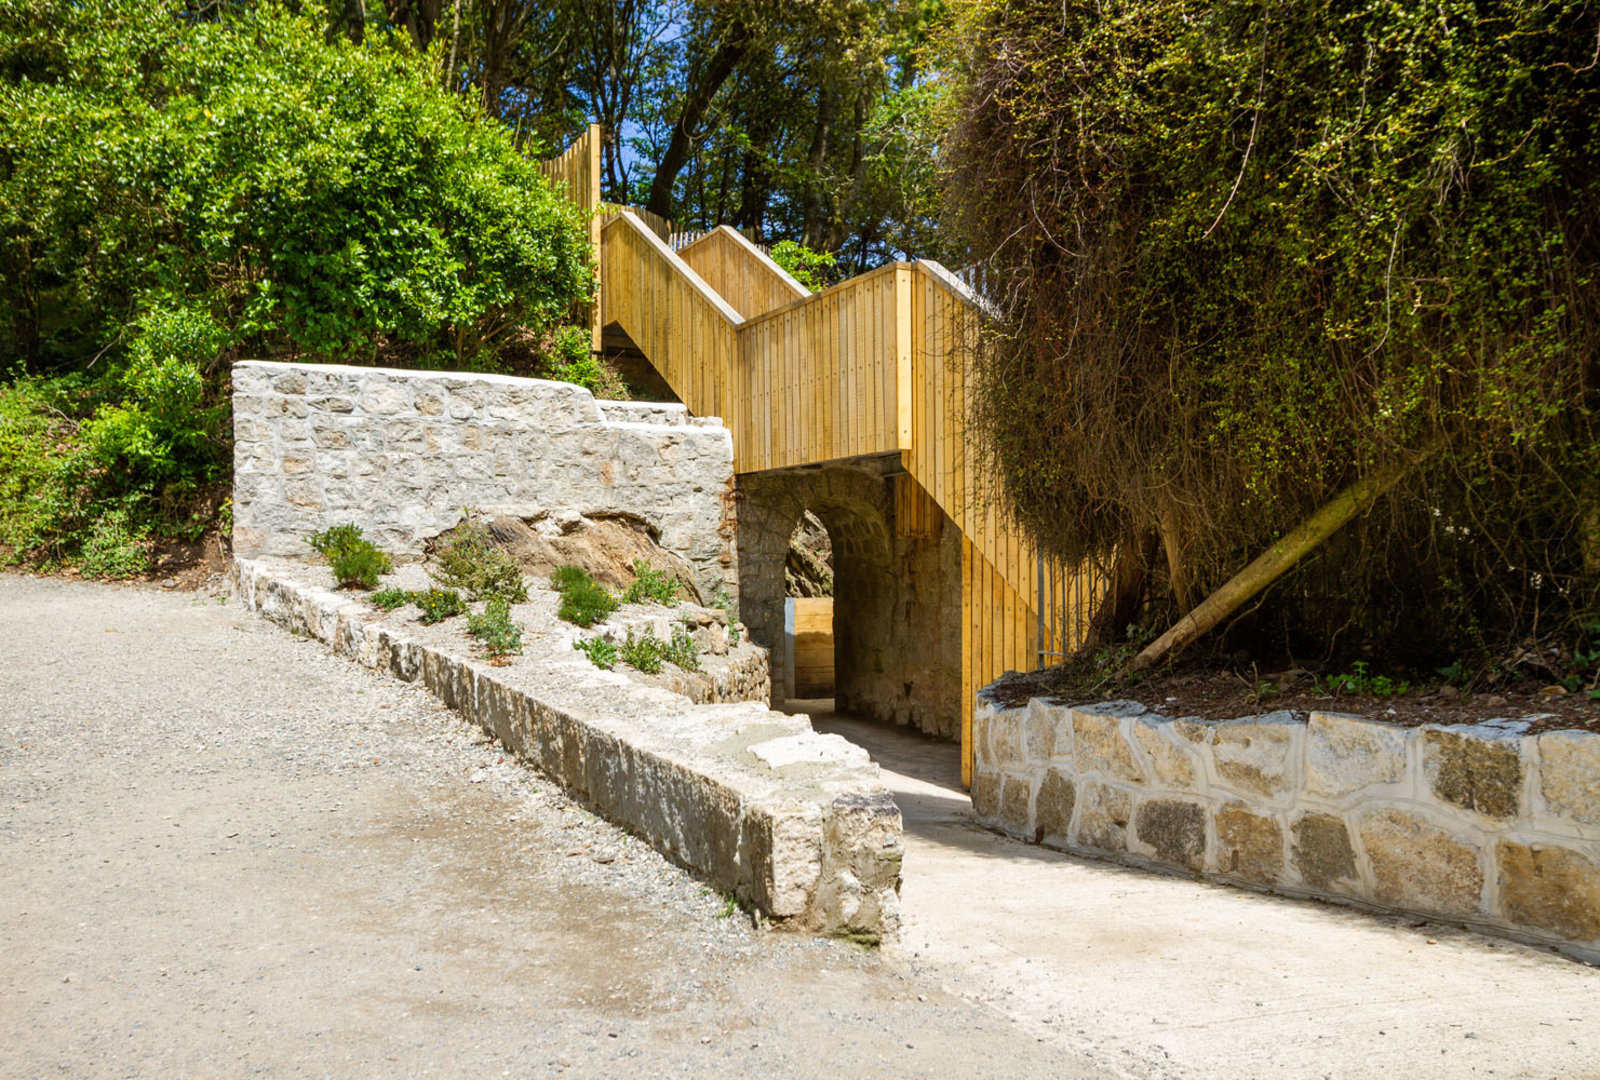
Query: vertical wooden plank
[{"x": 902, "y": 368}]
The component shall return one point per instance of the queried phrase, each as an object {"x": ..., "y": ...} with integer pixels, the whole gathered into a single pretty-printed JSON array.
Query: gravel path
[{"x": 226, "y": 852}]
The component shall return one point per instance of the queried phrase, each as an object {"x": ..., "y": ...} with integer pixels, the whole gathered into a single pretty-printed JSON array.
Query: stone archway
[{"x": 897, "y": 598}]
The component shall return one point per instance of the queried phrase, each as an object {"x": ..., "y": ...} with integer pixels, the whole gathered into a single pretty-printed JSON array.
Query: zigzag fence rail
[{"x": 880, "y": 364}]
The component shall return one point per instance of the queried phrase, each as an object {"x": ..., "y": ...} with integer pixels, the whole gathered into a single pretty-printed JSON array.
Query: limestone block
[
  {"x": 333, "y": 403},
  {"x": 1249, "y": 845},
  {"x": 1015, "y": 796},
  {"x": 1569, "y": 775},
  {"x": 1419, "y": 866},
  {"x": 1476, "y": 768},
  {"x": 1172, "y": 761},
  {"x": 1049, "y": 730},
  {"x": 1175, "y": 829},
  {"x": 291, "y": 383},
  {"x": 784, "y": 844},
  {"x": 279, "y": 406},
  {"x": 858, "y": 894},
  {"x": 382, "y": 398},
  {"x": 1253, "y": 754},
  {"x": 1552, "y": 888},
  {"x": 1103, "y": 821},
  {"x": 1005, "y": 738},
  {"x": 986, "y": 795},
  {"x": 1098, "y": 743},
  {"x": 1347, "y": 753},
  {"x": 1323, "y": 854},
  {"x": 982, "y": 719},
  {"x": 1053, "y": 805}
]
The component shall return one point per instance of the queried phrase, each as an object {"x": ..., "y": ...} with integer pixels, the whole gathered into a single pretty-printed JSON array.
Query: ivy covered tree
[{"x": 1250, "y": 255}]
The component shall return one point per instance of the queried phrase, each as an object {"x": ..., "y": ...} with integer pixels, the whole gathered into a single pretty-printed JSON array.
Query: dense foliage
[
  {"x": 177, "y": 190},
  {"x": 1247, "y": 252},
  {"x": 807, "y": 121}
]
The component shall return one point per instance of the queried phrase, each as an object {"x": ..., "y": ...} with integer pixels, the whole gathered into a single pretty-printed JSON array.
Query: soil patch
[{"x": 1226, "y": 695}]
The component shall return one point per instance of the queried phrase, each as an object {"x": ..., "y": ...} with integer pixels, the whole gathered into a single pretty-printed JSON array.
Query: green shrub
[
  {"x": 438, "y": 604},
  {"x": 466, "y": 558},
  {"x": 643, "y": 653},
  {"x": 360, "y": 566},
  {"x": 682, "y": 650},
  {"x": 389, "y": 599},
  {"x": 335, "y": 540},
  {"x": 571, "y": 359},
  {"x": 651, "y": 586},
  {"x": 114, "y": 548},
  {"x": 319, "y": 198},
  {"x": 494, "y": 629},
  {"x": 602, "y": 653},
  {"x": 355, "y": 560},
  {"x": 563, "y": 576},
  {"x": 583, "y": 601},
  {"x": 809, "y": 268}
]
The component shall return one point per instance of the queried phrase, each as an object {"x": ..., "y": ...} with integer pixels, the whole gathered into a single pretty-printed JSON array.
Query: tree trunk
[
  {"x": 1120, "y": 609},
  {"x": 702, "y": 91},
  {"x": 1275, "y": 561}
]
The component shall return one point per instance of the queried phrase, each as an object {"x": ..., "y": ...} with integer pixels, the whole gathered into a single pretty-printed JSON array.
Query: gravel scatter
[{"x": 227, "y": 852}]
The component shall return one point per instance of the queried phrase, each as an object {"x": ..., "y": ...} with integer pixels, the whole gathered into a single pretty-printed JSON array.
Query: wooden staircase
[{"x": 874, "y": 366}]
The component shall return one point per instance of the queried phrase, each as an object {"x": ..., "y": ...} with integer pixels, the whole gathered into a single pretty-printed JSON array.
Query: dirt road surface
[{"x": 227, "y": 853}]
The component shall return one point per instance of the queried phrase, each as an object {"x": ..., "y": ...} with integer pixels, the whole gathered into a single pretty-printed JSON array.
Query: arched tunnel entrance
[{"x": 896, "y": 592}]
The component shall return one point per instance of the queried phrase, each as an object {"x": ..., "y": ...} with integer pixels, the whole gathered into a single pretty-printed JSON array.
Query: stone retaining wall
[
  {"x": 1485, "y": 826},
  {"x": 755, "y": 802},
  {"x": 401, "y": 452}
]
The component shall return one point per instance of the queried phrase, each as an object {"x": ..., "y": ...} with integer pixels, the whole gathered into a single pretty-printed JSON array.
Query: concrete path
[{"x": 1163, "y": 977}]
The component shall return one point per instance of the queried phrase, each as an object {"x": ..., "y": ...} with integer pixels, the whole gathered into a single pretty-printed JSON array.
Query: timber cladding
[
  {"x": 813, "y": 646},
  {"x": 875, "y": 367}
]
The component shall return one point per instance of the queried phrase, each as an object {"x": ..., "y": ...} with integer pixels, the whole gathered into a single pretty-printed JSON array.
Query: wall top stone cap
[
  {"x": 1112, "y": 708},
  {"x": 810, "y": 748},
  {"x": 1503, "y": 730},
  {"x": 1280, "y": 717},
  {"x": 408, "y": 374}
]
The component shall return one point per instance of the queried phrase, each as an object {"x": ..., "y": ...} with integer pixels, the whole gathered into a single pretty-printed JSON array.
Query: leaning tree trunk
[{"x": 1275, "y": 561}]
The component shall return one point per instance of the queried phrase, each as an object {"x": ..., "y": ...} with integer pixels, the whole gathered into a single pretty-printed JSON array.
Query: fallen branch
[{"x": 1276, "y": 560}]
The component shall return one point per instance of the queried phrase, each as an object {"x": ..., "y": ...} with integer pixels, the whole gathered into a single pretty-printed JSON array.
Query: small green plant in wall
[
  {"x": 583, "y": 601},
  {"x": 651, "y": 586},
  {"x": 601, "y": 653},
  {"x": 500, "y": 638},
  {"x": 356, "y": 561},
  {"x": 466, "y": 558}
]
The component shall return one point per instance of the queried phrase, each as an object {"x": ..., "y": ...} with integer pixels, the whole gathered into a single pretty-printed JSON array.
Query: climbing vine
[{"x": 1248, "y": 252}]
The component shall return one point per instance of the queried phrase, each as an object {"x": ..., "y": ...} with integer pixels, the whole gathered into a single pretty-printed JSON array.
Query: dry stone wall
[
  {"x": 401, "y": 452},
  {"x": 1486, "y": 826}
]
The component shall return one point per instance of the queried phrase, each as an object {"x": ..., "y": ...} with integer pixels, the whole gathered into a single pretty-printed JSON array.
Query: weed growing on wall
[
  {"x": 390, "y": 599},
  {"x": 466, "y": 558},
  {"x": 682, "y": 650},
  {"x": 724, "y": 602},
  {"x": 583, "y": 601},
  {"x": 643, "y": 653},
  {"x": 356, "y": 561},
  {"x": 500, "y": 637},
  {"x": 651, "y": 586},
  {"x": 438, "y": 604},
  {"x": 601, "y": 653}
]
